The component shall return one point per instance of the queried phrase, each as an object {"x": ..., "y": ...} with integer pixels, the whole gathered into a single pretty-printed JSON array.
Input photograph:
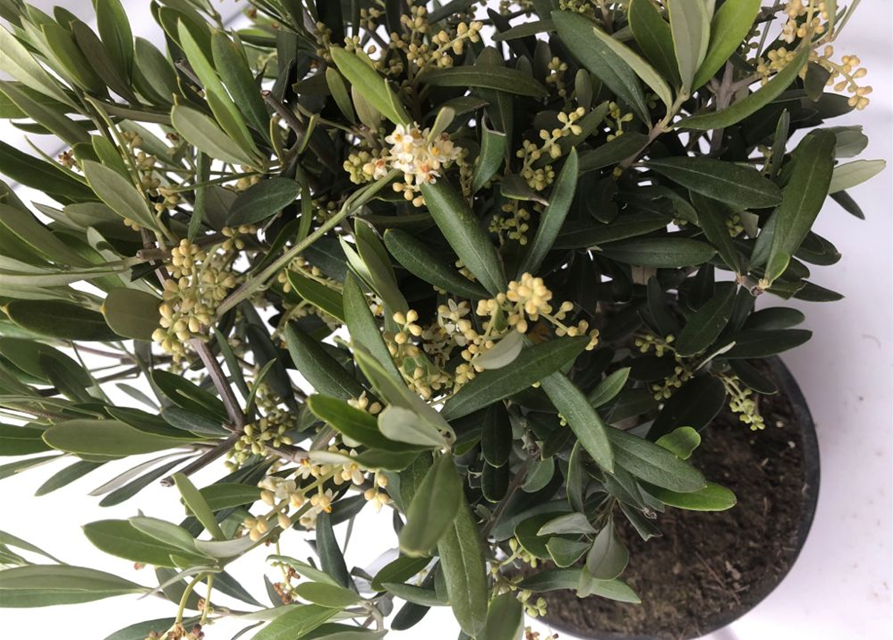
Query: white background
[{"x": 840, "y": 587}]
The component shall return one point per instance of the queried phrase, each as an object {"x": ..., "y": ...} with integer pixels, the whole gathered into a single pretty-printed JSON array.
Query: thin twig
[
  {"x": 517, "y": 481},
  {"x": 205, "y": 459},
  {"x": 233, "y": 410}
]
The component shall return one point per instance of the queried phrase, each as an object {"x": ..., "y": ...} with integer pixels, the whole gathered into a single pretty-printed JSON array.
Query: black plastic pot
[{"x": 809, "y": 445}]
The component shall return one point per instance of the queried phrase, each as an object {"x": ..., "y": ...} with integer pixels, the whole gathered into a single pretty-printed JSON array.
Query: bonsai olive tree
[{"x": 487, "y": 269}]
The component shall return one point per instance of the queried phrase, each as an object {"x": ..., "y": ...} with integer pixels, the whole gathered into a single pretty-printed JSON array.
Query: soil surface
[{"x": 709, "y": 568}]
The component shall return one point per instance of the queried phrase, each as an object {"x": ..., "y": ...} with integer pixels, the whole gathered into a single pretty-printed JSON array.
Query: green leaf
[
  {"x": 565, "y": 553},
  {"x": 406, "y": 425},
  {"x": 142, "y": 630},
  {"x": 578, "y": 35},
  {"x": 608, "y": 388},
  {"x": 713, "y": 497},
  {"x": 737, "y": 185},
  {"x": 433, "y": 508},
  {"x": 654, "y": 464},
  {"x": 660, "y": 253},
  {"x": 375, "y": 264},
  {"x": 296, "y": 623},
  {"x": 729, "y": 27},
  {"x": 48, "y": 116},
  {"x": 196, "y": 503},
  {"x": 417, "y": 595},
  {"x": 568, "y": 523},
  {"x": 362, "y": 325},
  {"x": 533, "y": 365},
  {"x": 153, "y": 75},
  {"x": 31, "y": 172},
  {"x": 47, "y": 585},
  {"x": 354, "y": 423},
  {"x": 491, "y": 157},
  {"x": 57, "y": 319},
  {"x": 641, "y": 68},
  {"x": 399, "y": 570},
  {"x": 119, "y": 538},
  {"x": 202, "y": 132},
  {"x": 690, "y": 26},
  {"x": 106, "y": 438},
  {"x": 131, "y": 313},
  {"x": 232, "y": 65},
  {"x": 465, "y": 571},
  {"x": 705, "y": 325},
  {"x": 119, "y": 194},
  {"x": 608, "y": 557},
  {"x": 763, "y": 344},
  {"x": 263, "y": 200},
  {"x": 505, "y": 619},
  {"x": 485, "y": 76},
  {"x": 165, "y": 532},
  {"x": 583, "y": 420},
  {"x": 712, "y": 217},
  {"x": 317, "y": 294},
  {"x": 466, "y": 235},
  {"x": 320, "y": 369},
  {"x": 852, "y": 174},
  {"x": 370, "y": 85},
  {"x": 114, "y": 30},
  {"x": 802, "y": 199},
  {"x": 327, "y": 595},
  {"x": 188, "y": 395},
  {"x": 611, "y": 589},
  {"x": 739, "y": 110},
  {"x": 32, "y": 233},
  {"x": 420, "y": 261},
  {"x": 654, "y": 37},
  {"x": 21, "y": 441},
  {"x": 331, "y": 558},
  {"x": 16, "y": 60},
  {"x": 552, "y": 219},
  {"x": 341, "y": 94},
  {"x": 681, "y": 442},
  {"x": 14, "y": 541}
]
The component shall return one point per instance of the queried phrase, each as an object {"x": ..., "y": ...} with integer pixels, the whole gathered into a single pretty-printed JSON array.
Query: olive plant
[{"x": 491, "y": 270}]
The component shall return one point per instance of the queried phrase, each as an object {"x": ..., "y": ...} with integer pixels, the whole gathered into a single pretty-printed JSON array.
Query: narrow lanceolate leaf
[
  {"x": 583, "y": 420},
  {"x": 505, "y": 620},
  {"x": 114, "y": 30},
  {"x": 297, "y": 622},
  {"x": 705, "y": 325},
  {"x": 362, "y": 325},
  {"x": 46, "y": 115},
  {"x": 465, "y": 571},
  {"x": 712, "y": 218},
  {"x": 119, "y": 194},
  {"x": 406, "y": 425},
  {"x": 713, "y": 497},
  {"x": 485, "y": 76},
  {"x": 321, "y": 370},
  {"x": 802, "y": 200},
  {"x": 737, "y": 185},
  {"x": 654, "y": 37},
  {"x": 729, "y": 27},
  {"x": 660, "y": 253},
  {"x": 17, "y": 61},
  {"x": 852, "y": 174},
  {"x": 263, "y": 200},
  {"x": 131, "y": 313},
  {"x": 690, "y": 26},
  {"x": 370, "y": 85},
  {"x": 552, "y": 218},
  {"x": 232, "y": 65},
  {"x": 319, "y": 295},
  {"x": 121, "y": 539},
  {"x": 654, "y": 464},
  {"x": 608, "y": 557},
  {"x": 58, "y": 319},
  {"x": 47, "y": 585},
  {"x": 418, "y": 259},
  {"x": 433, "y": 508},
  {"x": 607, "y": 389},
  {"x": 533, "y": 365},
  {"x": 105, "y": 437},
  {"x": 466, "y": 235},
  {"x": 356, "y": 424},
  {"x": 491, "y": 157},
  {"x": 642, "y": 69},
  {"x": 739, "y": 110},
  {"x": 578, "y": 34},
  {"x": 202, "y": 132},
  {"x": 196, "y": 503}
]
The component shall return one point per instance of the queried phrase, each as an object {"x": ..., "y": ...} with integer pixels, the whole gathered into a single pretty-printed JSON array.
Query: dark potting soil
[{"x": 708, "y": 568}]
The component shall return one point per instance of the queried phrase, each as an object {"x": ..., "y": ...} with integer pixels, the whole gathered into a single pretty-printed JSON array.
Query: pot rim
[{"x": 809, "y": 444}]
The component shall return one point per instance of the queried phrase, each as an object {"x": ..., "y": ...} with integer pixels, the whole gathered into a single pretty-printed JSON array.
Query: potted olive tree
[{"x": 489, "y": 270}]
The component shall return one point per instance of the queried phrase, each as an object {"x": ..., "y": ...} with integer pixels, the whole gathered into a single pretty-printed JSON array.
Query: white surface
[{"x": 840, "y": 587}]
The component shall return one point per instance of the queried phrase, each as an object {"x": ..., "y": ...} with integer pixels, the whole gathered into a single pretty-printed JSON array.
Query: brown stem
[
  {"x": 233, "y": 409},
  {"x": 723, "y": 98},
  {"x": 205, "y": 459}
]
